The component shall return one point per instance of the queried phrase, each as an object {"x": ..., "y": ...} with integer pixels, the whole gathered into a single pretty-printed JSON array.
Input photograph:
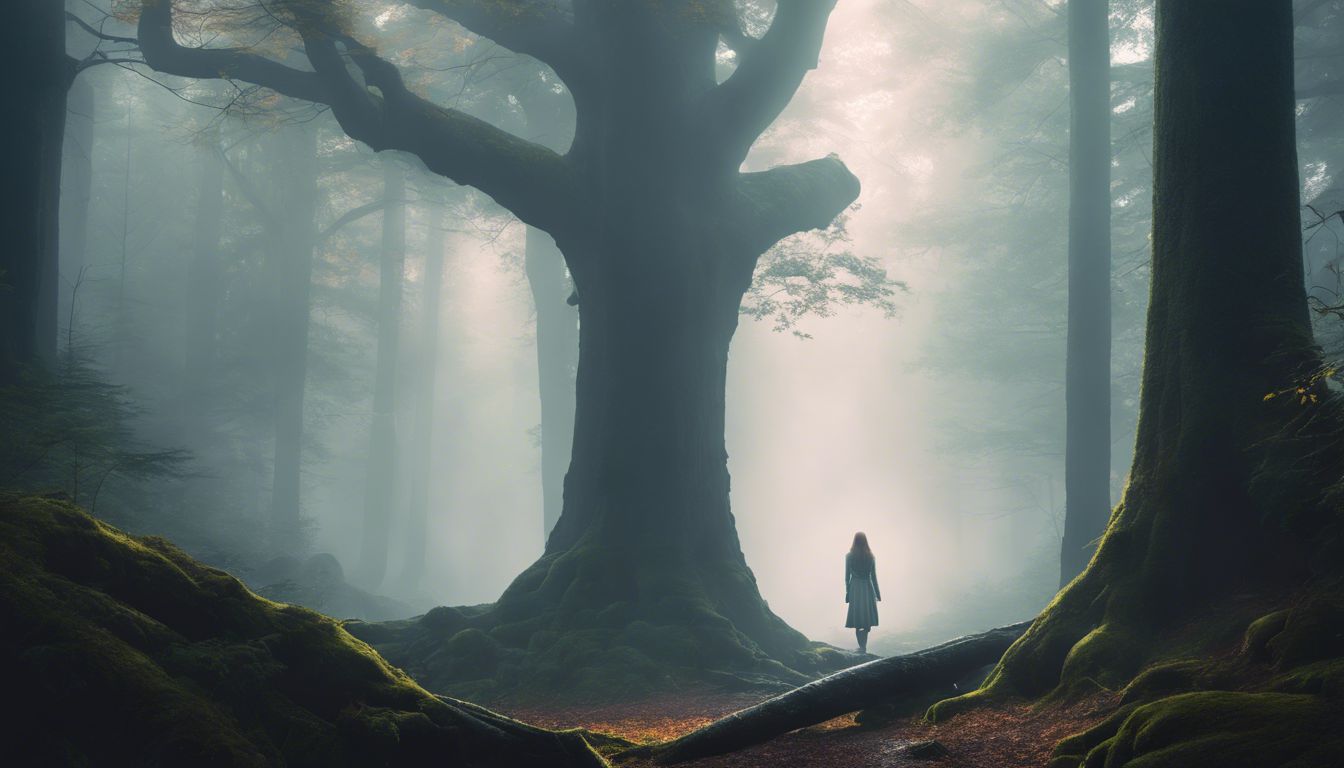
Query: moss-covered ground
[{"x": 119, "y": 650}]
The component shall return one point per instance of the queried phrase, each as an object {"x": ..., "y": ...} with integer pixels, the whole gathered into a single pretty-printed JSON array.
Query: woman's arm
[
  {"x": 877, "y": 591},
  {"x": 849, "y": 574}
]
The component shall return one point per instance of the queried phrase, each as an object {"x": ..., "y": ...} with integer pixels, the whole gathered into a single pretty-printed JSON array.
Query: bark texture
[
  {"x": 1209, "y": 510},
  {"x": 1087, "y": 460}
]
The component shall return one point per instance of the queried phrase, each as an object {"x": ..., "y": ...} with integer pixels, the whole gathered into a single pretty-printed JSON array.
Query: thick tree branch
[
  {"x": 162, "y": 52},
  {"x": 531, "y": 181},
  {"x": 793, "y": 198},
  {"x": 740, "y": 109},
  {"x": 541, "y": 29}
]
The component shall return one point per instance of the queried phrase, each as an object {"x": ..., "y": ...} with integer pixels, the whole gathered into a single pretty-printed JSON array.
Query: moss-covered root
[
  {"x": 127, "y": 651},
  {"x": 1215, "y": 729}
]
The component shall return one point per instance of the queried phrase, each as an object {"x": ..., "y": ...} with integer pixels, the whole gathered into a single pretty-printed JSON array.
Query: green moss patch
[{"x": 127, "y": 651}]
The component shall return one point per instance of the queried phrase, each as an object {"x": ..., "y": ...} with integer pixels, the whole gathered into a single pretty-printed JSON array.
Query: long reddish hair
[{"x": 860, "y": 546}]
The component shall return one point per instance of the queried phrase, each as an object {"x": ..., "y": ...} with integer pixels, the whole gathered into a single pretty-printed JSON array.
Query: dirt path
[{"x": 1006, "y": 737}]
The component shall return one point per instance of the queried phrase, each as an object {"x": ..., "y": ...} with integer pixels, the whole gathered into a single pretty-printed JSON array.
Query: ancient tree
[
  {"x": 661, "y": 232},
  {"x": 1087, "y": 394}
]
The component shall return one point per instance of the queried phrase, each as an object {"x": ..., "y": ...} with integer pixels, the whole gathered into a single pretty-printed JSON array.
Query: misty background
[{"x": 939, "y": 431}]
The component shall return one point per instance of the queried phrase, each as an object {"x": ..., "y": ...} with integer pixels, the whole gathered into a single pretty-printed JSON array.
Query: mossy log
[
  {"x": 127, "y": 651},
  {"x": 930, "y": 670}
]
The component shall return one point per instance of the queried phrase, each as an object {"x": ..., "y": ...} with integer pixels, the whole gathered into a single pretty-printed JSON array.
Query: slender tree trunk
[
  {"x": 381, "y": 480},
  {"x": 421, "y": 447},
  {"x": 557, "y": 350},
  {"x": 30, "y": 177},
  {"x": 1087, "y": 460},
  {"x": 292, "y": 262},
  {"x": 76, "y": 186},
  {"x": 1227, "y": 324},
  {"x": 203, "y": 292}
]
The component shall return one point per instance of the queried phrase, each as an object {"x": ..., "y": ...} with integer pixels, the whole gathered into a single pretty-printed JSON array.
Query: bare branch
[
  {"x": 793, "y": 198},
  {"x": 537, "y": 28},
  {"x": 98, "y": 33},
  {"x": 740, "y": 109}
]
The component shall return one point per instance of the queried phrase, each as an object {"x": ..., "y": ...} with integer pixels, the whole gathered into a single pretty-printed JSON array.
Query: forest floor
[{"x": 1012, "y": 736}]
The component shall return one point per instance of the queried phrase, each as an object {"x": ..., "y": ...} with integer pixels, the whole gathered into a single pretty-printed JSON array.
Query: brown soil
[{"x": 1009, "y": 736}]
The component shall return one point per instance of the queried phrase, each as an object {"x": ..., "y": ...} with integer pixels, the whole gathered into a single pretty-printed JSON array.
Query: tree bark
[
  {"x": 421, "y": 447},
  {"x": 933, "y": 670},
  {"x": 1193, "y": 528},
  {"x": 381, "y": 479},
  {"x": 30, "y": 185},
  {"x": 1087, "y": 459},
  {"x": 557, "y": 352},
  {"x": 291, "y": 259}
]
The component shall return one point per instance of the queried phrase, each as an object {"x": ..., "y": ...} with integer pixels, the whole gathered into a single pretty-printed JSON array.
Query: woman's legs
[{"x": 862, "y": 636}]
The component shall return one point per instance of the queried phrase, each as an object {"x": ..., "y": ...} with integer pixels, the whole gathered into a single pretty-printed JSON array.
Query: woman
[{"x": 861, "y": 591}]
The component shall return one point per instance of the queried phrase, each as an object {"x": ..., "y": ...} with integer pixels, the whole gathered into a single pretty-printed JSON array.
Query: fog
[{"x": 939, "y": 431}]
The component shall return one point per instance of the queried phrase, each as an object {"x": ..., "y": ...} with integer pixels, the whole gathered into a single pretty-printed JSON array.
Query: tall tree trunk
[
  {"x": 292, "y": 262},
  {"x": 76, "y": 187},
  {"x": 421, "y": 446},
  {"x": 381, "y": 481},
  {"x": 1087, "y": 460},
  {"x": 1227, "y": 324},
  {"x": 203, "y": 292},
  {"x": 557, "y": 350},
  {"x": 30, "y": 180}
]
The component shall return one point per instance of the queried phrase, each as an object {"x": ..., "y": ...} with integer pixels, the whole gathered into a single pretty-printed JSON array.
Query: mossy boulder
[{"x": 124, "y": 650}]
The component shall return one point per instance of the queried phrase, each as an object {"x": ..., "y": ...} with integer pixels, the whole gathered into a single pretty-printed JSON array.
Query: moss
[
  {"x": 1226, "y": 730},
  {"x": 130, "y": 652}
]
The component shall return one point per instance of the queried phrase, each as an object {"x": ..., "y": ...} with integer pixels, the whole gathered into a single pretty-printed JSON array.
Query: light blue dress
[{"x": 861, "y": 591}]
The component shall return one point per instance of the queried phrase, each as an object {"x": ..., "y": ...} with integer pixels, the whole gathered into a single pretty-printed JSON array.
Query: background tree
[{"x": 1087, "y": 395}]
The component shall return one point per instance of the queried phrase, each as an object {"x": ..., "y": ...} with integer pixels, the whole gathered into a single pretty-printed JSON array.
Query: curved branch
[
  {"x": 531, "y": 181},
  {"x": 740, "y": 109},
  {"x": 162, "y": 52},
  {"x": 794, "y": 198}
]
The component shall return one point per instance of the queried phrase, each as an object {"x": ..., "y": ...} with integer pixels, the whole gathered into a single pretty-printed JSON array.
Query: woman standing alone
[{"x": 861, "y": 590}]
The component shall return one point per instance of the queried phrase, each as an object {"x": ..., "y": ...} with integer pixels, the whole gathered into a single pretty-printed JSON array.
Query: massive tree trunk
[
  {"x": 30, "y": 180},
  {"x": 421, "y": 447},
  {"x": 550, "y": 121},
  {"x": 557, "y": 350},
  {"x": 1087, "y": 459},
  {"x": 291, "y": 260},
  {"x": 381, "y": 480},
  {"x": 1216, "y": 480}
]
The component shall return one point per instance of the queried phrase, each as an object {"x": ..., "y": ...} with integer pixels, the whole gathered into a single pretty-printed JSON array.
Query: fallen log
[{"x": 846, "y": 691}]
